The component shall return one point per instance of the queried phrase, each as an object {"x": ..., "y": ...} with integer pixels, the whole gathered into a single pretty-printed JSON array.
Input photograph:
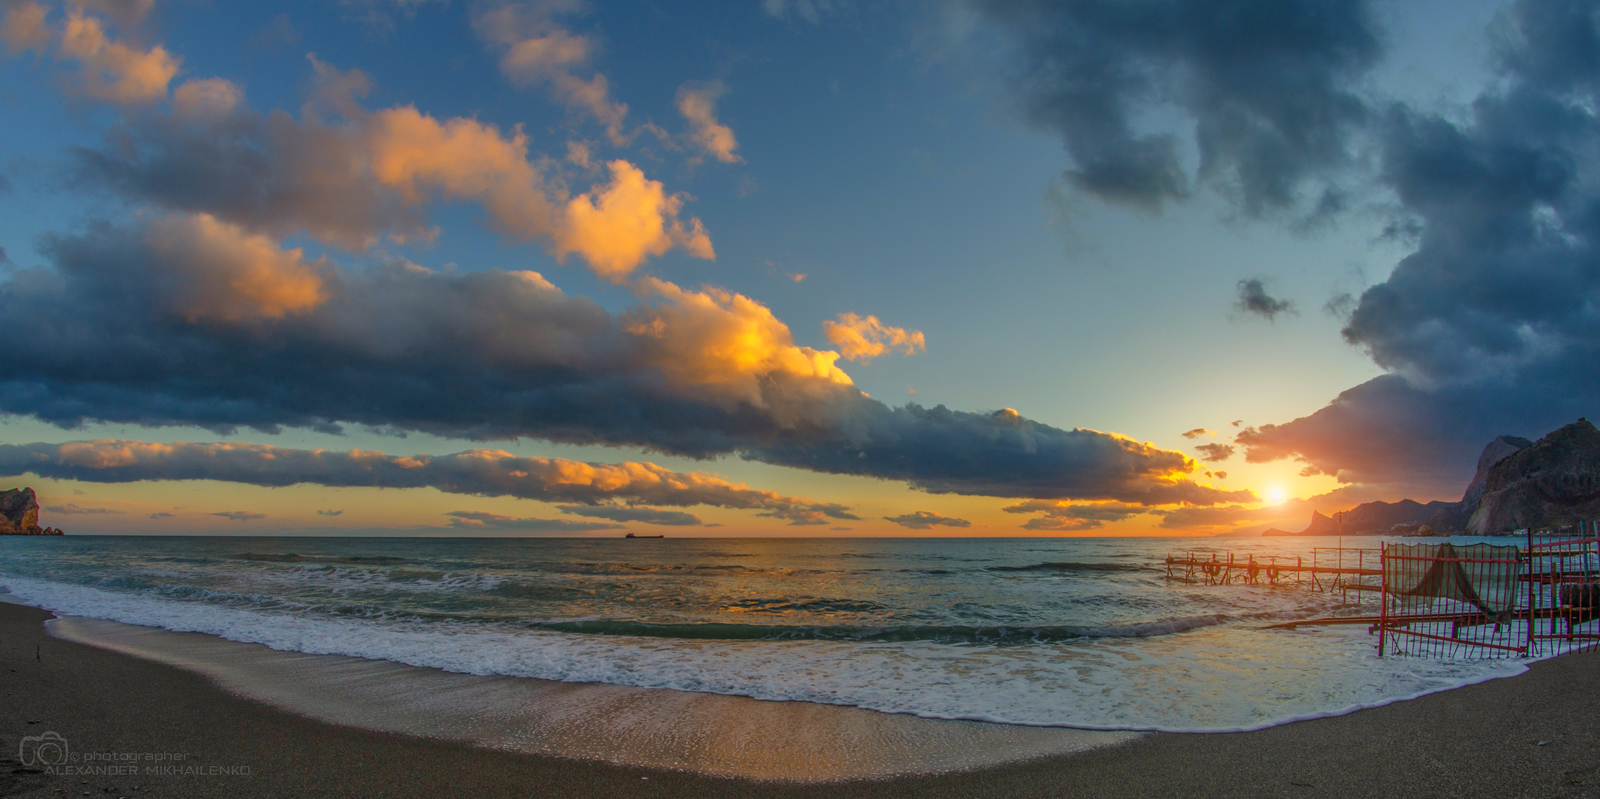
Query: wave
[
  {"x": 375, "y": 560},
  {"x": 999, "y": 635},
  {"x": 1076, "y": 567}
]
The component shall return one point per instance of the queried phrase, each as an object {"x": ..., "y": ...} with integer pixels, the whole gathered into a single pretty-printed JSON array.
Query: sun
[{"x": 1276, "y": 495}]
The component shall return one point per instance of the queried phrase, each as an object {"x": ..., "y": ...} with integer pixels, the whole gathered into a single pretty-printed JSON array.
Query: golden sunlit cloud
[
  {"x": 864, "y": 338},
  {"x": 224, "y": 272},
  {"x": 697, "y": 104},
  {"x": 112, "y": 70},
  {"x": 538, "y": 51},
  {"x": 617, "y": 226},
  {"x": 727, "y": 342},
  {"x": 614, "y": 227}
]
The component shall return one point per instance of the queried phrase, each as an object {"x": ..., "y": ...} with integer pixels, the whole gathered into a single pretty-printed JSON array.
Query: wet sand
[{"x": 1482, "y": 740}]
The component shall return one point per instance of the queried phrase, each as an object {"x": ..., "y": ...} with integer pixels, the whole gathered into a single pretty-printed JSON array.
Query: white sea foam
[{"x": 1221, "y": 677}]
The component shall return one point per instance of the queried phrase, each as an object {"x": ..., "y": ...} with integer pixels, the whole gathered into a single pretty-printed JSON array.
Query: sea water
[{"x": 1085, "y": 632}]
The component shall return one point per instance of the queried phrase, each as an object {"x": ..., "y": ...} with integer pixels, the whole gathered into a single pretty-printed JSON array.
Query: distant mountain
[
  {"x": 1553, "y": 482},
  {"x": 1373, "y": 518}
]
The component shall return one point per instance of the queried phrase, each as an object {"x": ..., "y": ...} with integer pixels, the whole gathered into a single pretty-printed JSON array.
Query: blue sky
[{"x": 894, "y": 160}]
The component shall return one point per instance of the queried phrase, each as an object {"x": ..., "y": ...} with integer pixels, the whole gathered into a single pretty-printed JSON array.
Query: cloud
[
  {"x": 280, "y": 32},
  {"x": 477, "y": 520},
  {"x": 162, "y": 515},
  {"x": 73, "y": 509},
  {"x": 864, "y": 338},
  {"x": 535, "y": 50},
  {"x": 476, "y": 472},
  {"x": 634, "y": 513},
  {"x": 240, "y": 515},
  {"x": 23, "y": 27},
  {"x": 697, "y": 104},
  {"x": 811, "y": 11},
  {"x": 1198, "y": 432},
  {"x": 1215, "y": 453},
  {"x": 1069, "y": 516},
  {"x": 217, "y": 271},
  {"x": 330, "y": 513},
  {"x": 489, "y": 354},
  {"x": 1254, "y": 299},
  {"x": 125, "y": 13},
  {"x": 926, "y": 520},
  {"x": 353, "y": 180},
  {"x": 1269, "y": 86},
  {"x": 112, "y": 70},
  {"x": 1490, "y": 326}
]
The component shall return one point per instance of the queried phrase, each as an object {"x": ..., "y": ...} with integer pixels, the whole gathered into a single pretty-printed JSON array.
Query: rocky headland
[{"x": 19, "y": 514}]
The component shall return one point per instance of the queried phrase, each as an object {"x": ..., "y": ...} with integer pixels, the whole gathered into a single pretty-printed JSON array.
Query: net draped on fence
[
  {"x": 1481, "y": 575},
  {"x": 1488, "y": 600}
]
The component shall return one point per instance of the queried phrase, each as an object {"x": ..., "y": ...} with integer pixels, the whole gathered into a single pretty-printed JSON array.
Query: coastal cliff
[
  {"x": 1553, "y": 482},
  {"x": 19, "y": 514}
]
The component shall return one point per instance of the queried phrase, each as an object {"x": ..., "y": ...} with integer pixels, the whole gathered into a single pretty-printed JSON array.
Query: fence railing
[{"x": 1487, "y": 600}]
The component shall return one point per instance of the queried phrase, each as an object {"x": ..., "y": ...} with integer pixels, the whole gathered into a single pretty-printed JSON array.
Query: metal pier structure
[{"x": 1330, "y": 569}]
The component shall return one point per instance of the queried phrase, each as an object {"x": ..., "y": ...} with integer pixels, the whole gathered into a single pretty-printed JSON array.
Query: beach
[{"x": 1530, "y": 735}]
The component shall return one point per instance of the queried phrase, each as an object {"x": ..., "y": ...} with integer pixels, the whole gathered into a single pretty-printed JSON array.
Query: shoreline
[{"x": 1479, "y": 740}]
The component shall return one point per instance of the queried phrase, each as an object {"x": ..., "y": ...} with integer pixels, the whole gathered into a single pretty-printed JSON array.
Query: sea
[{"x": 1085, "y": 633}]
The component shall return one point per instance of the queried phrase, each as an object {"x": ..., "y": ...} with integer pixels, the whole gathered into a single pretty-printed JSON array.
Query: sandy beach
[{"x": 1531, "y": 735}]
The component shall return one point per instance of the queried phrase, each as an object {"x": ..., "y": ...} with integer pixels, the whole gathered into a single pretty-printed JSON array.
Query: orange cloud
[
  {"x": 697, "y": 104},
  {"x": 229, "y": 274},
  {"x": 112, "y": 70},
  {"x": 213, "y": 97},
  {"x": 613, "y": 227},
  {"x": 539, "y": 51},
  {"x": 728, "y": 343},
  {"x": 23, "y": 27},
  {"x": 617, "y": 226},
  {"x": 864, "y": 338}
]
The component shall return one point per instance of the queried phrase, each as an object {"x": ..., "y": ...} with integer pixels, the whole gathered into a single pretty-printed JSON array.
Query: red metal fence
[{"x": 1486, "y": 600}]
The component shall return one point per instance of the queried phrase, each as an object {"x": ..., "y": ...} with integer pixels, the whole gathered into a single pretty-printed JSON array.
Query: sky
[{"x": 786, "y": 267}]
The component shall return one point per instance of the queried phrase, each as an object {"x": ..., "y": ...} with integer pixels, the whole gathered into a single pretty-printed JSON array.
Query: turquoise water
[{"x": 1073, "y": 632}]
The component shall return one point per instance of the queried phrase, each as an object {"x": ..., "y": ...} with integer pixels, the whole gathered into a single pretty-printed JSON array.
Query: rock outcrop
[
  {"x": 1550, "y": 483},
  {"x": 19, "y": 514},
  {"x": 1453, "y": 519}
]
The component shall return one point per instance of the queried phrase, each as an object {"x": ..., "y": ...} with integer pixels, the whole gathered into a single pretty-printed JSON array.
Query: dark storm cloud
[
  {"x": 1267, "y": 84},
  {"x": 633, "y": 513},
  {"x": 1215, "y": 453},
  {"x": 266, "y": 172},
  {"x": 150, "y": 326},
  {"x": 478, "y": 472},
  {"x": 1254, "y": 299},
  {"x": 1492, "y": 326},
  {"x": 478, "y": 520},
  {"x": 1067, "y": 516},
  {"x": 73, "y": 509},
  {"x": 926, "y": 520}
]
